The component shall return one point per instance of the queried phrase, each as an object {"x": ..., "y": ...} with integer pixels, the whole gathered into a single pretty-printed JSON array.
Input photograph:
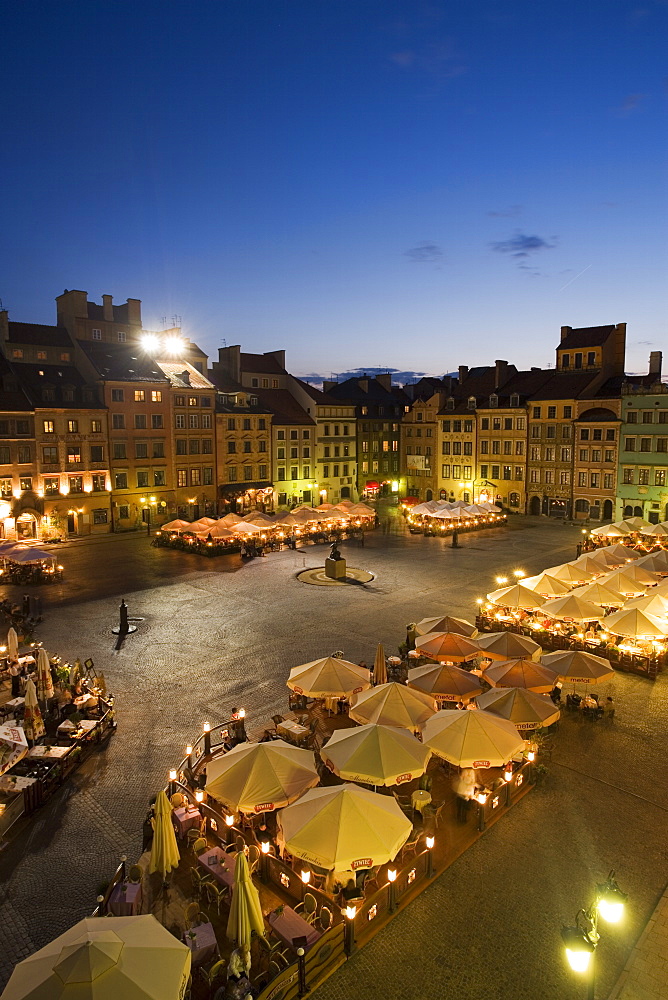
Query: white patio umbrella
[
  {"x": 379, "y": 666},
  {"x": 659, "y": 530},
  {"x": 261, "y": 777},
  {"x": 33, "y": 723},
  {"x": 611, "y": 531},
  {"x": 472, "y": 739},
  {"x": 654, "y": 603},
  {"x": 525, "y": 709},
  {"x": 624, "y": 553},
  {"x": 636, "y": 624},
  {"x": 655, "y": 562},
  {"x": 329, "y": 677},
  {"x": 375, "y": 755},
  {"x": 446, "y": 623},
  {"x": 12, "y": 644},
  {"x": 44, "y": 679},
  {"x": 599, "y": 594},
  {"x": 634, "y": 523},
  {"x": 28, "y": 554},
  {"x": 229, "y": 519},
  {"x": 216, "y": 531},
  {"x": 570, "y": 573},
  {"x": 516, "y": 596},
  {"x": 507, "y": 646},
  {"x": 572, "y": 607},
  {"x": 578, "y": 667},
  {"x": 178, "y": 525},
  {"x": 392, "y": 704},
  {"x": 202, "y": 523},
  {"x": 630, "y": 581},
  {"x": 546, "y": 585}
]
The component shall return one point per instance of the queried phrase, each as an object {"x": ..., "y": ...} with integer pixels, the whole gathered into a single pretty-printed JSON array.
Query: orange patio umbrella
[
  {"x": 508, "y": 646},
  {"x": 446, "y": 623},
  {"x": 521, "y": 674},
  {"x": 444, "y": 682},
  {"x": 447, "y": 646}
]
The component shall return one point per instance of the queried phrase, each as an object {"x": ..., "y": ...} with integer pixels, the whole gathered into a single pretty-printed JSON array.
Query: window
[
  {"x": 643, "y": 477},
  {"x": 231, "y": 447},
  {"x": 645, "y": 444},
  {"x": 51, "y": 485},
  {"x": 140, "y": 396},
  {"x": 5, "y": 457},
  {"x": 584, "y": 454},
  {"x": 484, "y": 471},
  {"x": 565, "y": 454},
  {"x": 535, "y": 454},
  {"x": 179, "y": 400},
  {"x": 565, "y": 360},
  {"x": 99, "y": 484},
  {"x": 648, "y": 416},
  {"x": 121, "y": 480},
  {"x": 507, "y": 472},
  {"x": 142, "y": 479},
  {"x": 627, "y": 476},
  {"x": 48, "y": 395},
  {"x": 158, "y": 449},
  {"x": 519, "y": 472},
  {"x": 595, "y": 480},
  {"x": 156, "y": 421},
  {"x": 119, "y": 450},
  {"x": 193, "y": 421},
  {"x": 141, "y": 450},
  {"x": 72, "y": 426},
  {"x": 457, "y": 447},
  {"x": 507, "y": 447},
  {"x": 156, "y": 396},
  {"x": 659, "y": 477},
  {"x": 207, "y": 446},
  {"x": 662, "y": 444},
  {"x": 549, "y": 454},
  {"x": 564, "y": 478},
  {"x": 96, "y": 334},
  {"x": 193, "y": 446},
  {"x": 566, "y": 432},
  {"x": 632, "y": 417},
  {"x": 124, "y": 511},
  {"x": 180, "y": 421},
  {"x": 6, "y": 487},
  {"x": 181, "y": 477},
  {"x": 663, "y": 416},
  {"x": 457, "y": 471},
  {"x": 76, "y": 484},
  {"x": 281, "y": 475},
  {"x": 49, "y": 456},
  {"x": 97, "y": 453},
  {"x": 140, "y": 421},
  {"x": 159, "y": 477},
  {"x": 17, "y": 353},
  {"x": 596, "y": 454},
  {"x": 551, "y": 431},
  {"x": 255, "y": 383},
  {"x": 578, "y": 360},
  {"x": 118, "y": 421},
  {"x": 121, "y": 336},
  {"x": 195, "y": 477},
  {"x": 610, "y": 434},
  {"x": 496, "y": 447},
  {"x": 73, "y": 453},
  {"x": 100, "y": 516},
  {"x": 597, "y": 434},
  {"x": 629, "y": 444},
  {"x": 568, "y": 411},
  {"x": 206, "y": 420},
  {"x": 181, "y": 446},
  {"x": 519, "y": 447},
  {"x": 551, "y": 412},
  {"x": 608, "y": 481},
  {"x": 609, "y": 455},
  {"x": 591, "y": 358},
  {"x": 582, "y": 478},
  {"x": 535, "y": 430},
  {"x": 549, "y": 476},
  {"x": 584, "y": 433},
  {"x": 117, "y": 395},
  {"x": 231, "y": 473},
  {"x": 96, "y": 426},
  {"x": 536, "y": 413},
  {"x": 193, "y": 401},
  {"x": 207, "y": 473}
]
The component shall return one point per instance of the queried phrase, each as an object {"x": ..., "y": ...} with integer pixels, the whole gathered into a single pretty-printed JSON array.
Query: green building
[{"x": 642, "y": 489}]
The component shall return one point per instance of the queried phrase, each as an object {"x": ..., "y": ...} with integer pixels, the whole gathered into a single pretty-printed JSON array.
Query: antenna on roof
[
  {"x": 224, "y": 342},
  {"x": 176, "y": 321},
  {"x": 163, "y": 320}
]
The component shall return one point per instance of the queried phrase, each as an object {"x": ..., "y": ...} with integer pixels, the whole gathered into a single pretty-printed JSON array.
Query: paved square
[{"x": 218, "y": 634}]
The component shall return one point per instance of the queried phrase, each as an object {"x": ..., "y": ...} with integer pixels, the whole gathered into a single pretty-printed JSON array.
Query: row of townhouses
[{"x": 106, "y": 426}]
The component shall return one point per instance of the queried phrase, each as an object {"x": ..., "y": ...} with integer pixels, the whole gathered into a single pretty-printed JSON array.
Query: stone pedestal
[{"x": 335, "y": 569}]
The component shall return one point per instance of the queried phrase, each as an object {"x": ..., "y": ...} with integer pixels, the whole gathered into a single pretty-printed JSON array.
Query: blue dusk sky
[{"x": 386, "y": 184}]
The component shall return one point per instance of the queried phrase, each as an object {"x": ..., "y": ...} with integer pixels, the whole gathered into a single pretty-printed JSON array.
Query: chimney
[
  {"x": 229, "y": 361},
  {"x": 385, "y": 380},
  {"x": 327, "y": 384},
  {"x": 363, "y": 383},
  {"x": 655, "y": 360},
  {"x": 278, "y": 355},
  {"x": 463, "y": 372},
  {"x": 565, "y": 330},
  {"x": 107, "y": 308},
  {"x": 4, "y": 325},
  {"x": 134, "y": 312},
  {"x": 500, "y": 376}
]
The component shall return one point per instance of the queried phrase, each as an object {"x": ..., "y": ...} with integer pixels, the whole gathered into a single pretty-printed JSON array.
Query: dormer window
[
  {"x": 450, "y": 404},
  {"x": 493, "y": 400},
  {"x": 472, "y": 403},
  {"x": 515, "y": 400}
]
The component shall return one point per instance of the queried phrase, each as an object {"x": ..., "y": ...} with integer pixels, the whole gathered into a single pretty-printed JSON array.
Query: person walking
[{"x": 15, "y": 674}]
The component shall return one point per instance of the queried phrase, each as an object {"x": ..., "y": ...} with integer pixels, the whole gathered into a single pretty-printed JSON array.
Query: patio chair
[
  {"x": 135, "y": 874},
  {"x": 192, "y": 915},
  {"x": 277, "y": 719},
  {"x": 370, "y": 883},
  {"x": 404, "y": 804},
  {"x": 177, "y": 800},
  {"x": 192, "y": 836},
  {"x": 270, "y": 946},
  {"x": 215, "y": 895},
  {"x": 211, "y": 975},
  {"x": 410, "y": 847},
  {"x": 308, "y": 908},
  {"x": 198, "y": 881},
  {"x": 325, "y": 919},
  {"x": 200, "y": 846}
]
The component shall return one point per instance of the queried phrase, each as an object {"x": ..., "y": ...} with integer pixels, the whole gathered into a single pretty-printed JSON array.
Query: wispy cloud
[
  {"x": 630, "y": 104},
  {"x": 425, "y": 253},
  {"x": 521, "y": 247},
  {"x": 507, "y": 213}
]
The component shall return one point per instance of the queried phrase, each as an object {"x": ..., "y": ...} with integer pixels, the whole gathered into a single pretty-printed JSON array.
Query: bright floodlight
[
  {"x": 174, "y": 345},
  {"x": 150, "y": 342},
  {"x": 579, "y": 948},
  {"x": 612, "y": 911}
]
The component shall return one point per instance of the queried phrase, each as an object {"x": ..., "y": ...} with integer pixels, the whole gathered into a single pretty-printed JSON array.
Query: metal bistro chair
[
  {"x": 198, "y": 881},
  {"x": 135, "y": 874},
  {"x": 325, "y": 919},
  {"x": 308, "y": 908},
  {"x": 192, "y": 915},
  {"x": 215, "y": 895},
  {"x": 211, "y": 975}
]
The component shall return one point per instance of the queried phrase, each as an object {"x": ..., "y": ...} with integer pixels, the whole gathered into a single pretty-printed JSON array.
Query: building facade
[{"x": 643, "y": 453}]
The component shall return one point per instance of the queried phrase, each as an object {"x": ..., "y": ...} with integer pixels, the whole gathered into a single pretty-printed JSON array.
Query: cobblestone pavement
[
  {"x": 220, "y": 634},
  {"x": 645, "y": 975}
]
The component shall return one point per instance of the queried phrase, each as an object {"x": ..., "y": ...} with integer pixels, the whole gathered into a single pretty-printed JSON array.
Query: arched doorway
[
  {"x": 345, "y": 492},
  {"x": 429, "y": 495},
  {"x": 26, "y": 525},
  {"x": 607, "y": 510},
  {"x": 637, "y": 511},
  {"x": 534, "y": 506},
  {"x": 628, "y": 511}
]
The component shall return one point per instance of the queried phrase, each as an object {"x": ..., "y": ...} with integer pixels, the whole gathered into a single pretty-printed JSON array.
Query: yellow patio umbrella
[
  {"x": 472, "y": 739},
  {"x": 575, "y": 608},
  {"x": 12, "y": 644},
  {"x": 508, "y": 646},
  {"x": 444, "y": 682},
  {"x": 516, "y": 596},
  {"x": 611, "y": 531},
  {"x": 329, "y": 677},
  {"x": 632, "y": 581},
  {"x": 659, "y": 530},
  {"x": 606, "y": 558},
  {"x": 392, "y": 704},
  {"x": 546, "y": 585},
  {"x": 164, "y": 851},
  {"x": 599, "y": 594},
  {"x": 636, "y": 624},
  {"x": 654, "y": 603},
  {"x": 578, "y": 667},
  {"x": 525, "y": 709},
  {"x": 344, "y": 828},
  {"x": 572, "y": 573},
  {"x": 520, "y": 673},
  {"x": 44, "y": 679},
  {"x": 245, "y": 909},
  {"x": 624, "y": 553},
  {"x": 447, "y": 646},
  {"x": 119, "y": 958},
  {"x": 33, "y": 723},
  {"x": 589, "y": 562},
  {"x": 379, "y": 666},
  {"x": 446, "y": 623},
  {"x": 260, "y": 777},
  {"x": 656, "y": 562},
  {"x": 634, "y": 523},
  {"x": 375, "y": 755}
]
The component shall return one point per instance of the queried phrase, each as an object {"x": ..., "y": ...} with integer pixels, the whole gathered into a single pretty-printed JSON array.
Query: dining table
[
  {"x": 125, "y": 899},
  {"x": 186, "y": 818},
  {"x": 216, "y": 862},
  {"x": 420, "y": 798},
  {"x": 292, "y": 730},
  {"x": 201, "y": 939},
  {"x": 290, "y": 927}
]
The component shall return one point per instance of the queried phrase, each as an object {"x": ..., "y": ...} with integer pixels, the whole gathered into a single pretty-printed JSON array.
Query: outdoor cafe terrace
[{"x": 345, "y": 807}]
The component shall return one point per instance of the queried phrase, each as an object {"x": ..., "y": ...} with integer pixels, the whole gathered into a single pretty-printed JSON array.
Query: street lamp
[{"x": 581, "y": 939}]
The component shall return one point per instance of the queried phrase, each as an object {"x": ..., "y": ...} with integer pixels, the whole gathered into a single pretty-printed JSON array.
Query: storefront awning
[
  {"x": 238, "y": 489},
  {"x": 372, "y": 484}
]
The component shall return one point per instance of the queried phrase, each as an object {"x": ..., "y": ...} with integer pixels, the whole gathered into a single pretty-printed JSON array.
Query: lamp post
[
  {"x": 392, "y": 898},
  {"x": 350, "y": 912},
  {"x": 581, "y": 939}
]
